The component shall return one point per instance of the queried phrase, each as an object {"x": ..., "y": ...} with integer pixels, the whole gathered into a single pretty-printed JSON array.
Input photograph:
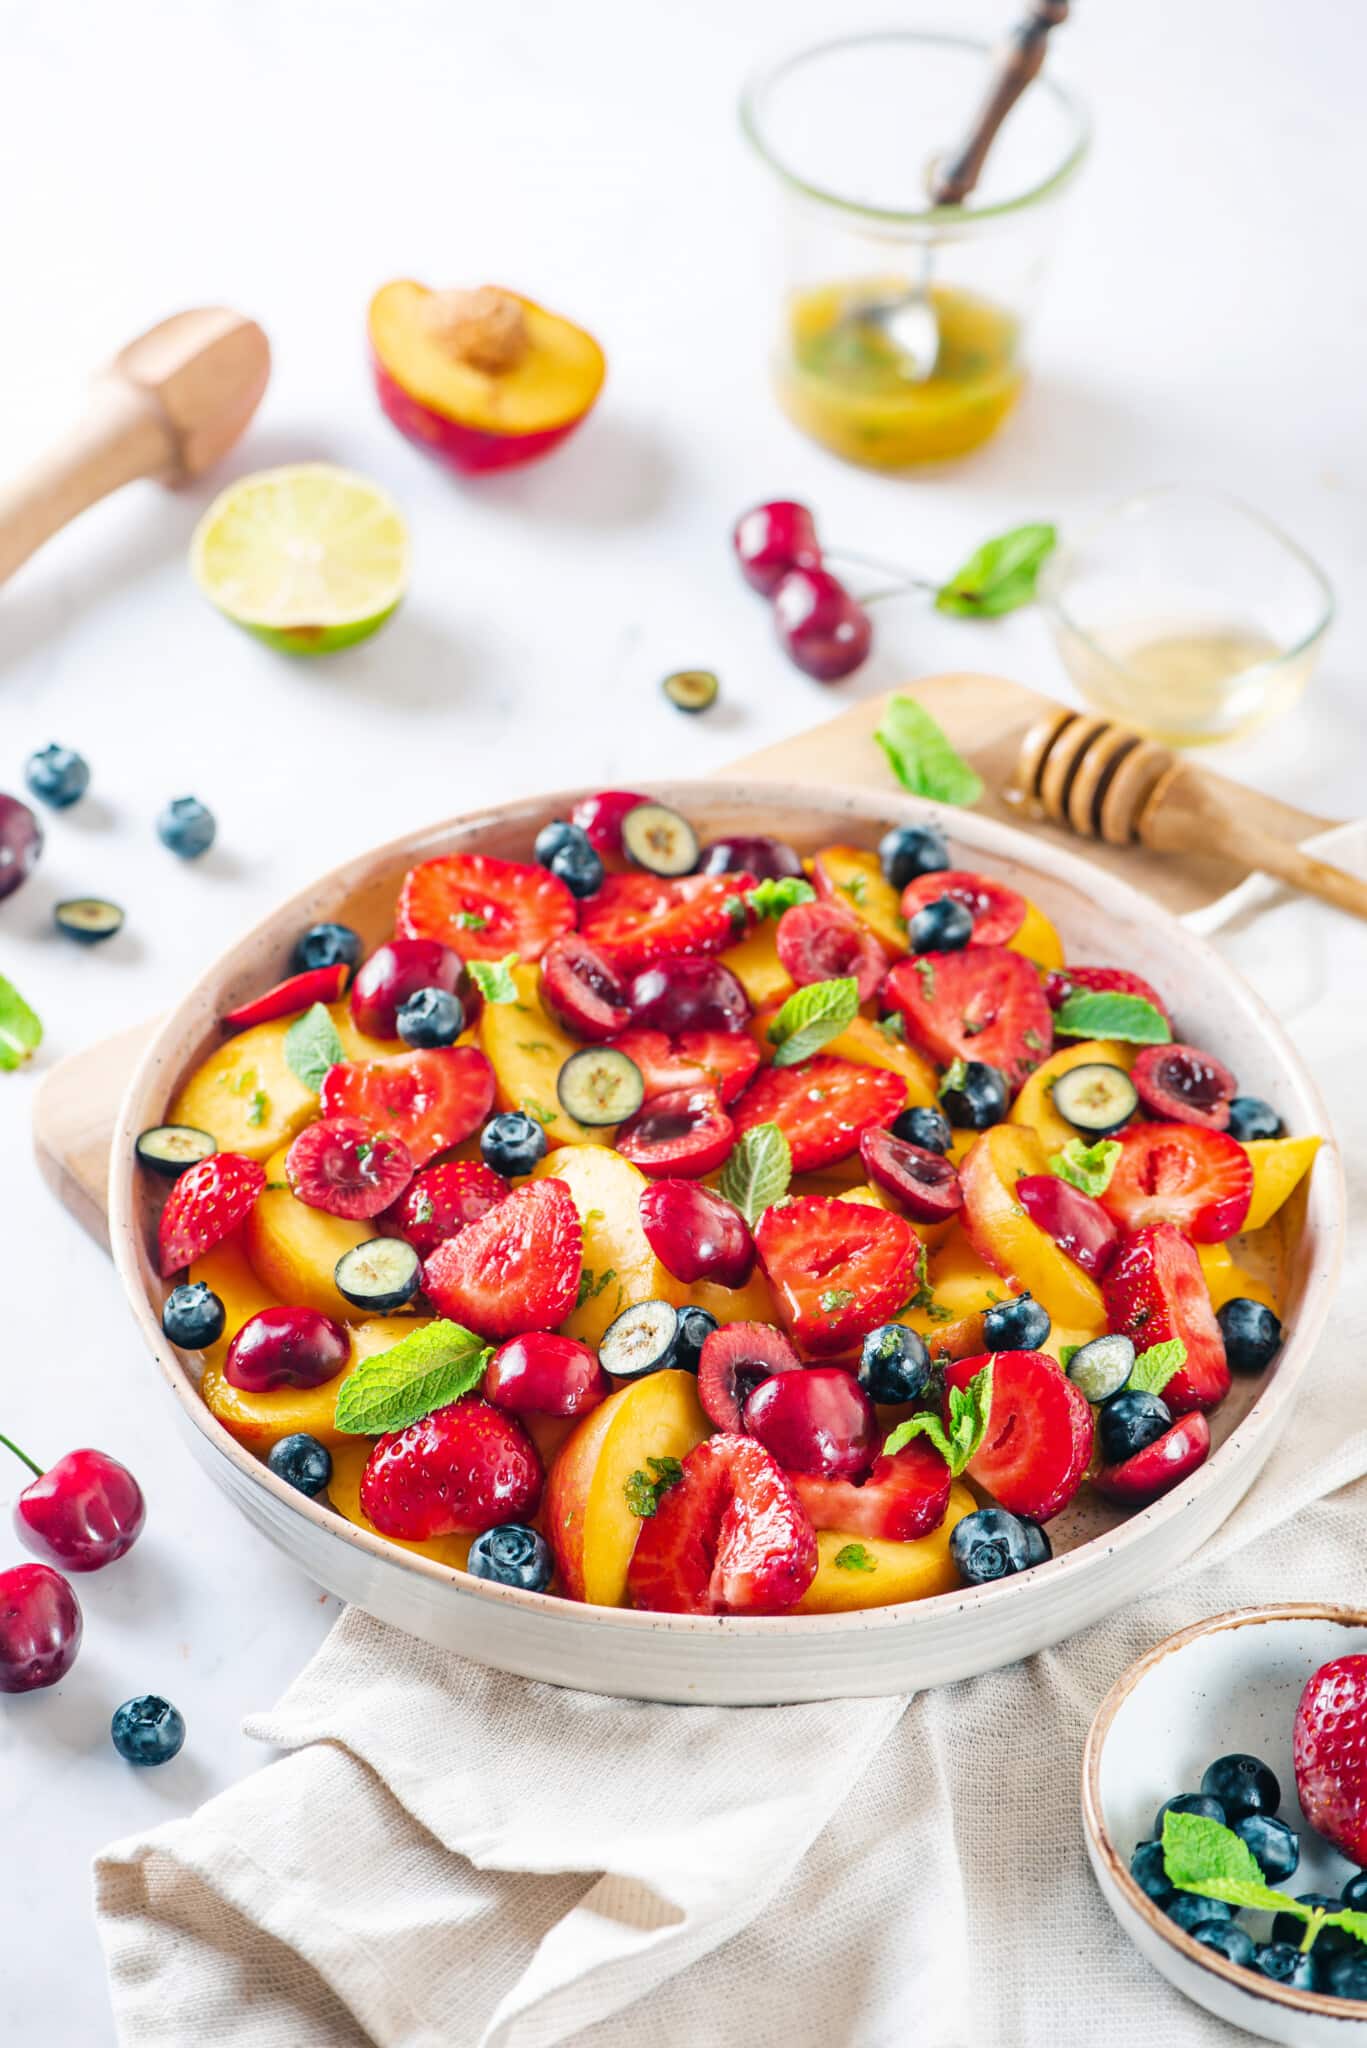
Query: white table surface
[{"x": 1205, "y": 322}]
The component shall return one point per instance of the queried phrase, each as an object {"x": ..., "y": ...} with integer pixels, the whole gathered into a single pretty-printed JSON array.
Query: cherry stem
[
  {"x": 23, "y": 1456},
  {"x": 898, "y": 588}
]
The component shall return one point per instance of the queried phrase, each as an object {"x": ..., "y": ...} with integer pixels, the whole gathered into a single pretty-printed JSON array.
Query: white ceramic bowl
[
  {"x": 1102, "y": 1558},
  {"x": 1231, "y": 1683}
]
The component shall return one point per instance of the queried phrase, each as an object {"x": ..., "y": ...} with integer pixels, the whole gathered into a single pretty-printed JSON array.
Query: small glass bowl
[{"x": 1187, "y": 615}]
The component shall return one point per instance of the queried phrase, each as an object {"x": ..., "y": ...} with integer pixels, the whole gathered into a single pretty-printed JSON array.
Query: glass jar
[{"x": 852, "y": 130}]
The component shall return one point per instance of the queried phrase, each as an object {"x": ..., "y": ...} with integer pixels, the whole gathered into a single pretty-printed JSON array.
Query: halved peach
[
  {"x": 483, "y": 379},
  {"x": 1034, "y": 1106},
  {"x": 862, "y": 1571}
]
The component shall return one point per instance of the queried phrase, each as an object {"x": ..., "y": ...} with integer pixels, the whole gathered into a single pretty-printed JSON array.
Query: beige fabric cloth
[{"x": 450, "y": 1858}]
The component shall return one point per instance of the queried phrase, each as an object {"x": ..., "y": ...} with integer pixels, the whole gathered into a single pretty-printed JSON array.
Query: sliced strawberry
[
  {"x": 722, "y": 1060},
  {"x": 344, "y": 1165},
  {"x": 516, "y": 1268},
  {"x": 639, "y": 919},
  {"x": 904, "y": 1496},
  {"x": 837, "y": 1269},
  {"x": 821, "y": 1106},
  {"x": 1077, "y": 1223},
  {"x": 441, "y": 1202},
  {"x": 461, "y": 1469},
  {"x": 1062, "y": 982},
  {"x": 824, "y": 942},
  {"x": 997, "y": 912},
  {"x": 579, "y": 984},
  {"x": 736, "y": 1359},
  {"x": 685, "y": 1134},
  {"x": 1155, "y": 1290},
  {"x": 1179, "y": 1173},
  {"x": 730, "y": 1537},
  {"x": 431, "y": 1099},
  {"x": 483, "y": 908},
  {"x": 287, "y": 998},
  {"x": 206, "y": 1204},
  {"x": 1039, "y": 1432},
  {"x": 1180, "y": 1084},
  {"x": 1160, "y": 1466},
  {"x": 984, "y": 1003}
]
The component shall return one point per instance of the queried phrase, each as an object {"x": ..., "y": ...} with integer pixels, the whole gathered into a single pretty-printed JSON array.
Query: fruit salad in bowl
[{"x": 664, "y": 1221}]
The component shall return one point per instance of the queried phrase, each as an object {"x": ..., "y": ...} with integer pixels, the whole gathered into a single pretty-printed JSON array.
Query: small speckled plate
[{"x": 1230, "y": 1683}]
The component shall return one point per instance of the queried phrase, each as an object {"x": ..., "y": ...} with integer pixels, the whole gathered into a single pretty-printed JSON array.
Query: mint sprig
[
  {"x": 1107, "y": 1013},
  {"x": 644, "y": 1490},
  {"x": 1201, "y": 1856},
  {"x": 770, "y": 897},
  {"x": 21, "y": 1030},
  {"x": 970, "y": 1409},
  {"x": 494, "y": 978},
  {"x": 757, "y": 1172},
  {"x": 1153, "y": 1368},
  {"x": 812, "y": 1017},
  {"x": 428, "y": 1369},
  {"x": 1088, "y": 1168},
  {"x": 953, "y": 1077},
  {"x": 312, "y": 1046},
  {"x": 1000, "y": 575},
  {"x": 922, "y": 757}
]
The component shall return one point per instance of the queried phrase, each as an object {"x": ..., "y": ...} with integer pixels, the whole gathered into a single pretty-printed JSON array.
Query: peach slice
[
  {"x": 526, "y": 1047},
  {"x": 1279, "y": 1165},
  {"x": 1034, "y": 1106},
  {"x": 619, "y": 1266},
  {"x": 878, "y": 1574},
  {"x": 259, "y": 1420},
  {"x": 1004, "y": 1236},
  {"x": 483, "y": 379},
  {"x": 245, "y": 1095},
  {"x": 589, "y": 1522},
  {"x": 757, "y": 967},
  {"x": 849, "y": 875},
  {"x": 294, "y": 1249},
  {"x": 1037, "y": 938}
]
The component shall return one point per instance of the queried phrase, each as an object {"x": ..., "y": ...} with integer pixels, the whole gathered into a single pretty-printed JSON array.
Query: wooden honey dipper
[{"x": 1104, "y": 782}]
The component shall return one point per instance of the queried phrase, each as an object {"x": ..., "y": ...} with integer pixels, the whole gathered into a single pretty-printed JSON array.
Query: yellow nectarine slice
[
  {"x": 245, "y": 1095},
  {"x": 753, "y": 1303},
  {"x": 849, "y": 875},
  {"x": 1037, "y": 939},
  {"x": 868, "y": 1045},
  {"x": 349, "y": 1458},
  {"x": 261, "y": 1419},
  {"x": 619, "y": 1266},
  {"x": 757, "y": 967},
  {"x": 1034, "y": 1106},
  {"x": 550, "y": 379},
  {"x": 526, "y": 1048},
  {"x": 1279, "y": 1165},
  {"x": 294, "y": 1249},
  {"x": 863, "y": 1571},
  {"x": 1228, "y": 1279},
  {"x": 229, "y": 1273},
  {"x": 1005, "y": 1237}
]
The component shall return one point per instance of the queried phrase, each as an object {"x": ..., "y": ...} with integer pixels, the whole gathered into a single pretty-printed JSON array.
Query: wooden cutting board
[{"x": 986, "y": 717}]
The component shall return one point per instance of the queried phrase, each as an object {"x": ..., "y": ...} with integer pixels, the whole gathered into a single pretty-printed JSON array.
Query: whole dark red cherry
[
  {"x": 21, "y": 842},
  {"x": 819, "y": 1421},
  {"x": 286, "y": 1347},
  {"x": 696, "y": 1234},
  {"x": 691, "y": 993},
  {"x": 771, "y": 539},
  {"x": 82, "y": 1513},
  {"x": 751, "y": 853},
  {"x": 542, "y": 1374},
  {"x": 393, "y": 973},
  {"x": 820, "y": 626},
  {"x": 40, "y": 1627}
]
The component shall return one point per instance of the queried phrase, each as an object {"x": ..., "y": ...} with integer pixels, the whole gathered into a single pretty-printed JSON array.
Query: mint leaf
[
  {"x": 921, "y": 756},
  {"x": 970, "y": 1409},
  {"x": 257, "y": 1107},
  {"x": 21, "y": 1032},
  {"x": 757, "y": 1172},
  {"x": 428, "y": 1369},
  {"x": 812, "y": 1017},
  {"x": 852, "y": 1557},
  {"x": 894, "y": 1027},
  {"x": 494, "y": 978},
  {"x": 1067, "y": 1353},
  {"x": 1000, "y": 575},
  {"x": 1086, "y": 1167},
  {"x": 954, "y": 1076},
  {"x": 1201, "y": 1856},
  {"x": 775, "y": 894},
  {"x": 643, "y": 1490},
  {"x": 1106, "y": 1013},
  {"x": 470, "y": 921},
  {"x": 1153, "y": 1368},
  {"x": 312, "y": 1046}
]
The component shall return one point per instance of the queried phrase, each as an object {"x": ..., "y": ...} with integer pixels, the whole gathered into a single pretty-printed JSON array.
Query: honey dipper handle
[
  {"x": 122, "y": 435},
  {"x": 1303, "y": 871},
  {"x": 1018, "y": 61},
  {"x": 1187, "y": 814}
]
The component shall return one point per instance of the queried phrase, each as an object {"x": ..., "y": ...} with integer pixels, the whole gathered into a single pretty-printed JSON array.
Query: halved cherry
[
  {"x": 696, "y": 1234},
  {"x": 997, "y": 912},
  {"x": 1199, "y": 1179},
  {"x": 735, "y": 1360},
  {"x": 601, "y": 815},
  {"x": 484, "y": 908},
  {"x": 439, "y": 1203},
  {"x": 686, "y": 1133},
  {"x": 1077, "y": 1223},
  {"x": 724, "y": 1060},
  {"x": 289, "y": 997},
  {"x": 582, "y": 988},
  {"x": 1062, "y": 982},
  {"x": 638, "y": 919},
  {"x": 1180, "y": 1084},
  {"x": 689, "y": 994},
  {"x": 1038, "y": 1444},
  {"x": 825, "y": 942},
  {"x": 347, "y": 1167},
  {"x": 1160, "y": 1466},
  {"x": 396, "y": 971},
  {"x": 984, "y": 1003},
  {"x": 286, "y": 1347},
  {"x": 925, "y": 1184},
  {"x": 751, "y": 853},
  {"x": 431, "y": 1099}
]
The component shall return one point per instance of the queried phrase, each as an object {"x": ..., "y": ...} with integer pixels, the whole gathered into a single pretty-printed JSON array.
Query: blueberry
[
  {"x": 911, "y": 850},
  {"x": 431, "y": 1016},
  {"x": 976, "y": 1097},
  {"x": 1147, "y": 1870},
  {"x": 187, "y": 827},
  {"x": 302, "y": 1462},
  {"x": 1128, "y": 1422},
  {"x": 1283, "y": 1962},
  {"x": 943, "y": 926},
  {"x": 928, "y": 1128},
  {"x": 1190, "y": 1911},
  {"x": 325, "y": 945},
  {"x": 1037, "y": 1544},
  {"x": 512, "y": 1143},
  {"x": 1019, "y": 1324},
  {"x": 1199, "y": 1803},
  {"x": 1242, "y": 1784},
  {"x": 193, "y": 1316},
  {"x": 1345, "y": 1975},
  {"x": 1355, "y": 1892},
  {"x": 1276, "y": 1847},
  {"x": 551, "y": 838},
  {"x": 990, "y": 1544},
  {"x": 579, "y": 868},
  {"x": 147, "y": 1730},
  {"x": 57, "y": 776},
  {"x": 1252, "y": 1334},
  {"x": 894, "y": 1364},
  {"x": 513, "y": 1555},
  {"x": 695, "y": 1327},
  {"x": 1227, "y": 1940},
  {"x": 1251, "y": 1117},
  {"x": 1329, "y": 1940}
]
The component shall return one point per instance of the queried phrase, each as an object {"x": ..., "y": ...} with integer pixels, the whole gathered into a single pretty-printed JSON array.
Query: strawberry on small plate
[
  {"x": 484, "y": 908},
  {"x": 1035, "y": 1452},
  {"x": 984, "y": 1003},
  {"x": 904, "y": 1496},
  {"x": 1155, "y": 1290},
  {"x": 997, "y": 912},
  {"x": 1180, "y": 1173},
  {"x": 837, "y": 1269},
  {"x": 822, "y": 1106},
  {"x": 206, "y": 1204},
  {"x": 1328, "y": 1747},
  {"x": 431, "y": 1099},
  {"x": 636, "y": 920},
  {"x": 513, "y": 1269},
  {"x": 729, "y": 1537}
]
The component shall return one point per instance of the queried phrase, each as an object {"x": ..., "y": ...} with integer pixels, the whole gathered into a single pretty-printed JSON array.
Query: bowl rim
[
  {"x": 864, "y": 805},
  {"x": 1320, "y": 2004}
]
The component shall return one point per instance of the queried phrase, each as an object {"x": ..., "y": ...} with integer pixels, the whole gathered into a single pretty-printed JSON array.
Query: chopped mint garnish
[
  {"x": 256, "y": 1108},
  {"x": 969, "y": 1410},
  {"x": 1000, "y": 575},
  {"x": 1107, "y": 1013},
  {"x": 812, "y": 1017},
  {"x": 1086, "y": 1167},
  {"x": 832, "y": 1299},
  {"x": 922, "y": 758},
  {"x": 757, "y": 1172},
  {"x": 925, "y": 974},
  {"x": 428, "y": 1369},
  {"x": 852, "y": 1557},
  {"x": 494, "y": 978},
  {"x": 773, "y": 895},
  {"x": 21, "y": 1032},
  {"x": 954, "y": 1076},
  {"x": 643, "y": 1491},
  {"x": 312, "y": 1046},
  {"x": 894, "y": 1027},
  {"x": 470, "y": 921}
]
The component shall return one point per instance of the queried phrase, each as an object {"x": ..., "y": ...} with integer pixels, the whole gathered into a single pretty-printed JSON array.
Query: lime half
[{"x": 308, "y": 558}]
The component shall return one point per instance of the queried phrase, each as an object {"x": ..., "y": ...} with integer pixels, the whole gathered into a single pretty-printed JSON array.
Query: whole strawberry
[
  {"x": 1330, "y": 1753},
  {"x": 461, "y": 1469}
]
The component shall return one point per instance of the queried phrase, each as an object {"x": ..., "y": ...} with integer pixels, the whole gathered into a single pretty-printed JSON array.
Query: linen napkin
[{"x": 447, "y": 1857}]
